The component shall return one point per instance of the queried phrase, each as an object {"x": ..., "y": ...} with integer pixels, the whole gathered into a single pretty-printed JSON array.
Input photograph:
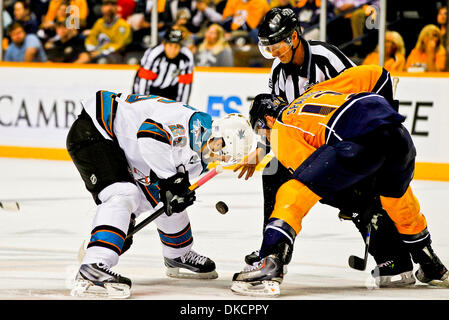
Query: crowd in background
[{"x": 218, "y": 32}]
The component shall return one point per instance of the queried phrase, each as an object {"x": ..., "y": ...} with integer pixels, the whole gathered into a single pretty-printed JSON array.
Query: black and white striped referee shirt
[
  {"x": 322, "y": 61},
  {"x": 169, "y": 78}
]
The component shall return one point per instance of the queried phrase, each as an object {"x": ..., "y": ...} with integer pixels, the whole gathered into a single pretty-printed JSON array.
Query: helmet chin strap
[{"x": 294, "y": 49}]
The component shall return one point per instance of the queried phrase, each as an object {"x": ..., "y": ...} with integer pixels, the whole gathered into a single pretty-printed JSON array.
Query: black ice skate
[
  {"x": 253, "y": 258},
  {"x": 431, "y": 271},
  {"x": 197, "y": 266},
  {"x": 98, "y": 280},
  {"x": 260, "y": 279},
  {"x": 393, "y": 274}
]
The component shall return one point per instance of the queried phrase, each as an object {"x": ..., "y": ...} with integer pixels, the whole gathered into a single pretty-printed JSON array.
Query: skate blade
[
  {"x": 85, "y": 288},
  {"x": 441, "y": 283},
  {"x": 187, "y": 274},
  {"x": 401, "y": 280},
  {"x": 259, "y": 289}
]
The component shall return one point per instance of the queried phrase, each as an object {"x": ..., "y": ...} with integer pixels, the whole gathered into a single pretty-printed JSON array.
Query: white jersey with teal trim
[{"x": 156, "y": 133}]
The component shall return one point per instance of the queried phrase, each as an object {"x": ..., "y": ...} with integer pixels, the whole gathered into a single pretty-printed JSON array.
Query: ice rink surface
[{"x": 39, "y": 244}]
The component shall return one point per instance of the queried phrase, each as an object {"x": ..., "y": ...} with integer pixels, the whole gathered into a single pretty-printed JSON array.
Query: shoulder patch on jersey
[
  {"x": 154, "y": 130},
  {"x": 383, "y": 79},
  {"x": 200, "y": 129},
  {"x": 106, "y": 110}
]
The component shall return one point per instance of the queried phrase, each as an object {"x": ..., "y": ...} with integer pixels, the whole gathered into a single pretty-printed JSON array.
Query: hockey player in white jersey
[{"x": 135, "y": 153}]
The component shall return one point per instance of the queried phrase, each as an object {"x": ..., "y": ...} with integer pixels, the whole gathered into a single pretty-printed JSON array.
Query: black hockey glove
[{"x": 175, "y": 193}]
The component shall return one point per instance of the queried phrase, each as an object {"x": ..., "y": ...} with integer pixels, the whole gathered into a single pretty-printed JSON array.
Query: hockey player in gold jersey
[{"x": 339, "y": 139}]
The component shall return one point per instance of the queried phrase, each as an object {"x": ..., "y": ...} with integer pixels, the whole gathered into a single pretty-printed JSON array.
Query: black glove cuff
[{"x": 176, "y": 184}]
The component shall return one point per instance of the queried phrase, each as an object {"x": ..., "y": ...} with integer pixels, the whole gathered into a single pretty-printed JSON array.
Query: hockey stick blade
[{"x": 359, "y": 263}]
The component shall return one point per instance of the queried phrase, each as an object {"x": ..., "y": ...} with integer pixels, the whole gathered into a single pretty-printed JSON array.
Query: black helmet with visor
[
  {"x": 276, "y": 29},
  {"x": 264, "y": 104}
]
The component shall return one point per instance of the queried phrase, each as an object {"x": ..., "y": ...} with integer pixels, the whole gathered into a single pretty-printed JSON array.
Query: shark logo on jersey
[
  {"x": 200, "y": 130},
  {"x": 196, "y": 131}
]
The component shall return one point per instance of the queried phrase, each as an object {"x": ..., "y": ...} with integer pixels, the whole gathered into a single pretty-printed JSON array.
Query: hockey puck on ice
[{"x": 221, "y": 207}]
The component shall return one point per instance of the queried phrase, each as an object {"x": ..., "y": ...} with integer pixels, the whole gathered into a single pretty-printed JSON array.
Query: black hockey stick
[{"x": 357, "y": 262}]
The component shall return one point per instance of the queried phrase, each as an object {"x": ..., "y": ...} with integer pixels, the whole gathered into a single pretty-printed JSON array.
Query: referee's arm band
[{"x": 146, "y": 74}]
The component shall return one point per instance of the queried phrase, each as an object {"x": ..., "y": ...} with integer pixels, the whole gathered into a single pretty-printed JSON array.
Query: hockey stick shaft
[
  {"x": 161, "y": 210},
  {"x": 367, "y": 242},
  {"x": 359, "y": 263},
  {"x": 395, "y": 86}
]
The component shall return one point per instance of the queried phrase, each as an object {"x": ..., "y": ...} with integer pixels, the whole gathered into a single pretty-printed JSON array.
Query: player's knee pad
[
  {"x": 278, "y": 239},
  {"x": 123, "y": 194}
]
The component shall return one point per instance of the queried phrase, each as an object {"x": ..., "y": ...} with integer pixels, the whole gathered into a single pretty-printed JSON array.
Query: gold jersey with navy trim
[{"x": 317, "y": 117}]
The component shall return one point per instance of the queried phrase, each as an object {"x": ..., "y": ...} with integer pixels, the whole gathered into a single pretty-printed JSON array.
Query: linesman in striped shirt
[
  {"x": 166, "y": 70},
  {"x": 298, "y": 65}
]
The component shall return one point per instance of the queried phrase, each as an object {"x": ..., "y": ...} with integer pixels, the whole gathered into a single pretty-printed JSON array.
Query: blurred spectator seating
[
  {"x": 214, "y": 51},
  {"x": 47, "y": 28},
  {"x": 429, "y": 53},
  {"x": 27, "y": 18},
  {"x": 394, "y": 53},
  {"x": 353, "y": 15},
  {"x": 442, "y": 24},
  {"x": 140, "y": 22},
  {"x": 39, "y": 8},
  {"x": 309, "y": 16},
  {"x": 66, "y": 46},
  {"x": 77, "y": 10},
  {"x": 125, "y": 8},
  {"x": 242, "y": 17},
  {"x": 207, "y": 12},
  {"x": 109, "y": 36},
  {"x": 23, "y": 47},
  {"x": 7, "y": 19}
]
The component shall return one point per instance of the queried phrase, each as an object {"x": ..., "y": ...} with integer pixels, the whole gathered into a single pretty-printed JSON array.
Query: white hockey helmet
[{"x": 237, "y": 134}]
